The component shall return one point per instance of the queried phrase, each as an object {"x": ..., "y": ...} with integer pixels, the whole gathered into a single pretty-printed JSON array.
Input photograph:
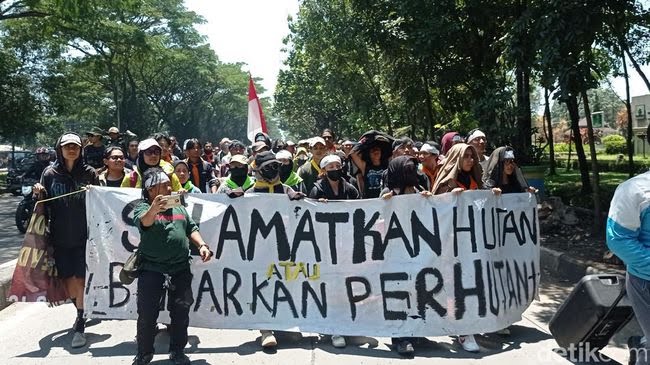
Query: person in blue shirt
[{"x": 628, "y": 236}]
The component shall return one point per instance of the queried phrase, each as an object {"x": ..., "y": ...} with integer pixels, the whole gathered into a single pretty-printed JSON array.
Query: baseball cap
[
  {"x": 239, "y": 158},
  {"x": 284, "y": 154},
  {"x": 264, "y": 158},
  {"x": 259, "y": 145},
  {"x": 147, "y": 143},
  {"x": 316, "y": 140},
  {"x": 70, "y": 138},
  {"x": 94, "y": 132},
  {"x": 113, "y": 130}
]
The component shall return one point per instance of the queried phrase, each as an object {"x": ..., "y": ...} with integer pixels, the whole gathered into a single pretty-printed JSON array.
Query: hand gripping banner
[{"x": 406, "y": 266}]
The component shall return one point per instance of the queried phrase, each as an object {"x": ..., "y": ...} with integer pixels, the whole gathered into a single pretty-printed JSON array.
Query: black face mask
[
  {"x": 285, "y": 171},
  {"x": 238, "y": 174},
  {"x": 301, "y": 161},
  {"x": 335, "y": 174},
  {"x": 270, "y": 172}
]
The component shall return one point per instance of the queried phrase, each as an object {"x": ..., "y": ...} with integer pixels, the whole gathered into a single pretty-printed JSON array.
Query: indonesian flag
[{"x": 256, "y": 121}]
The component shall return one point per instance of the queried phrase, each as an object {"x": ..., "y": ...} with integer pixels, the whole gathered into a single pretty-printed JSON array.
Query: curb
[
  {"x": 6, "y": 273},
  {"x": 571, "y": 268}
]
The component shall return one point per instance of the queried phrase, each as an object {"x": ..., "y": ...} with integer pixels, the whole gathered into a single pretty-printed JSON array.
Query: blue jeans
[{"x": 638, "y": 291}]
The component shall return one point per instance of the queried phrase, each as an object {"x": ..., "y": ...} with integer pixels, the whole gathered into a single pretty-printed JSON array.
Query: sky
[{"x": 251, "y": 31}]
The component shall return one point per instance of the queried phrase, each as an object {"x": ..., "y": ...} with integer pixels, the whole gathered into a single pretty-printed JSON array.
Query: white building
[{"x": 640, "y": 120}]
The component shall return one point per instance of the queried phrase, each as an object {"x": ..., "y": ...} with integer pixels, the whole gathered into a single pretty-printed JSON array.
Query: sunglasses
[
  {"x": 328, "y": 137},
  {"x": 117, "y": 158},
  {"x": 152, "y": 152}
]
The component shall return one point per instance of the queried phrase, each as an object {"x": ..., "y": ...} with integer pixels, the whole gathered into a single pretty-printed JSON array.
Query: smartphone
[{"x": 172, "y": 201}]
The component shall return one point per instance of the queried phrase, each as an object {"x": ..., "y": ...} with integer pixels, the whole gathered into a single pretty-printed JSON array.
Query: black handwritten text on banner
[{"x": 405, "y": 266}]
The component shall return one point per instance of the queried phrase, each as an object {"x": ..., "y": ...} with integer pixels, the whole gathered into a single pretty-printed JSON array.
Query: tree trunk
[
  {"x": 597, "y": 224},
  {"x": 551, "y": 148},
  {"x": 638, "y": 68},
  {"x": 630, "y": 134},
  {"x": 572, "y": 105},
  {"x": 429, "y": 128},
  {"x": 116, "y": 94},
  {"x": 568, "y": 158},
  {"x": 524, "y": 122}
]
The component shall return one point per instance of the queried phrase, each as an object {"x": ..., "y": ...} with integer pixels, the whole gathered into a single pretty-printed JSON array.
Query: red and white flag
[{"x": 256, "y": 121}]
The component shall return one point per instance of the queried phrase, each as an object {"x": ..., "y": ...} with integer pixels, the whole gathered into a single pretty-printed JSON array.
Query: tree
[
  {"x": 138, "y": 64},
  {"x": 19, "y": 107}
]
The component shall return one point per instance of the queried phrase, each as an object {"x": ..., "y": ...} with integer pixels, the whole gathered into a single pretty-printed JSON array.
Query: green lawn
[{"x": 567, "y": 185}]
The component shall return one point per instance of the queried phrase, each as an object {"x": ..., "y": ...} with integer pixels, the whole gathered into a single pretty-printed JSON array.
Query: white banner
[{"x": 407, "y": 266}]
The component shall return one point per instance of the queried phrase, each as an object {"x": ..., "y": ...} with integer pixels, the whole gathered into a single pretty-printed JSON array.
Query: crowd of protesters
[{"x": 321, "y": 167}]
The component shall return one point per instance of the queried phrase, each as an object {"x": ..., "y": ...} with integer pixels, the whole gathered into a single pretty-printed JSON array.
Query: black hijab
[{"x": 402, "y": 172}]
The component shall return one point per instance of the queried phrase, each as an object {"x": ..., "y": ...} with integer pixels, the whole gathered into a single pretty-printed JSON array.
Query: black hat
[
  {"x": 236, "y": 143},
  {"x": 95, "y": 132},
  {"x": 264, "y": 157},
  {"x": 179, "y": 162},
  {"x": 401, "y": 141}
]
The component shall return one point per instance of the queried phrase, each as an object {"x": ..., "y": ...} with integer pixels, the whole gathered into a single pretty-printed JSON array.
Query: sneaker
[
  {"x": 179, "y": 358},
  {"x": 503, "y": 332},
  {"x": 268, "y": 339},
  {"x": 78, "y": 340},
  {"x": 405, "y": 348},
  {"x": 142, "y": 359},
  {"x": 469, "y": 343},
  {"x": 338, "y": 341}
]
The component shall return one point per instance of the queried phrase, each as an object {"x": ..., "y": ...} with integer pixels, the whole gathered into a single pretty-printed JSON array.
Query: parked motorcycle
[{"x": 25, "y": 208}]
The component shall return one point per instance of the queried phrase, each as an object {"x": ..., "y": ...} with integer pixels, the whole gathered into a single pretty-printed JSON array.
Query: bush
[
  {"x": 560, "y": 147},
  {"x": 606, "y": 166},
  {"x": 615, "y": 144}
]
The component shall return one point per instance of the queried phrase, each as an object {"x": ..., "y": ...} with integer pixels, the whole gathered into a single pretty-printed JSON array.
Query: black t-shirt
[
  {"x": 114, "y": 183},
  {"x": 94, "y": 156},
  {"x": 373, "y": 181}
]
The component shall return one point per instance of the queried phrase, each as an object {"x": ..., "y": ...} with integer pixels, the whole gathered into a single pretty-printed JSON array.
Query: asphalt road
[
  {"x": 32, "y": 333},
  {"x": 11, "y": 239}
]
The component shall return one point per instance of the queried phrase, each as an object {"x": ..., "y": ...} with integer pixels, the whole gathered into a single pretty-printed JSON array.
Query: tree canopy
[
  {"x": 424, "y": 67},
  {"x": 137, "y": 64}
]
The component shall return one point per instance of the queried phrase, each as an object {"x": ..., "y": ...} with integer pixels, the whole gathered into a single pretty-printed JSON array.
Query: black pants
[{"x": 179, "y": 301}]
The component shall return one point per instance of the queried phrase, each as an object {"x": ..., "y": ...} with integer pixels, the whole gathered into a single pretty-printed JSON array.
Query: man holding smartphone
[{"x": 165, "y": 232}]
